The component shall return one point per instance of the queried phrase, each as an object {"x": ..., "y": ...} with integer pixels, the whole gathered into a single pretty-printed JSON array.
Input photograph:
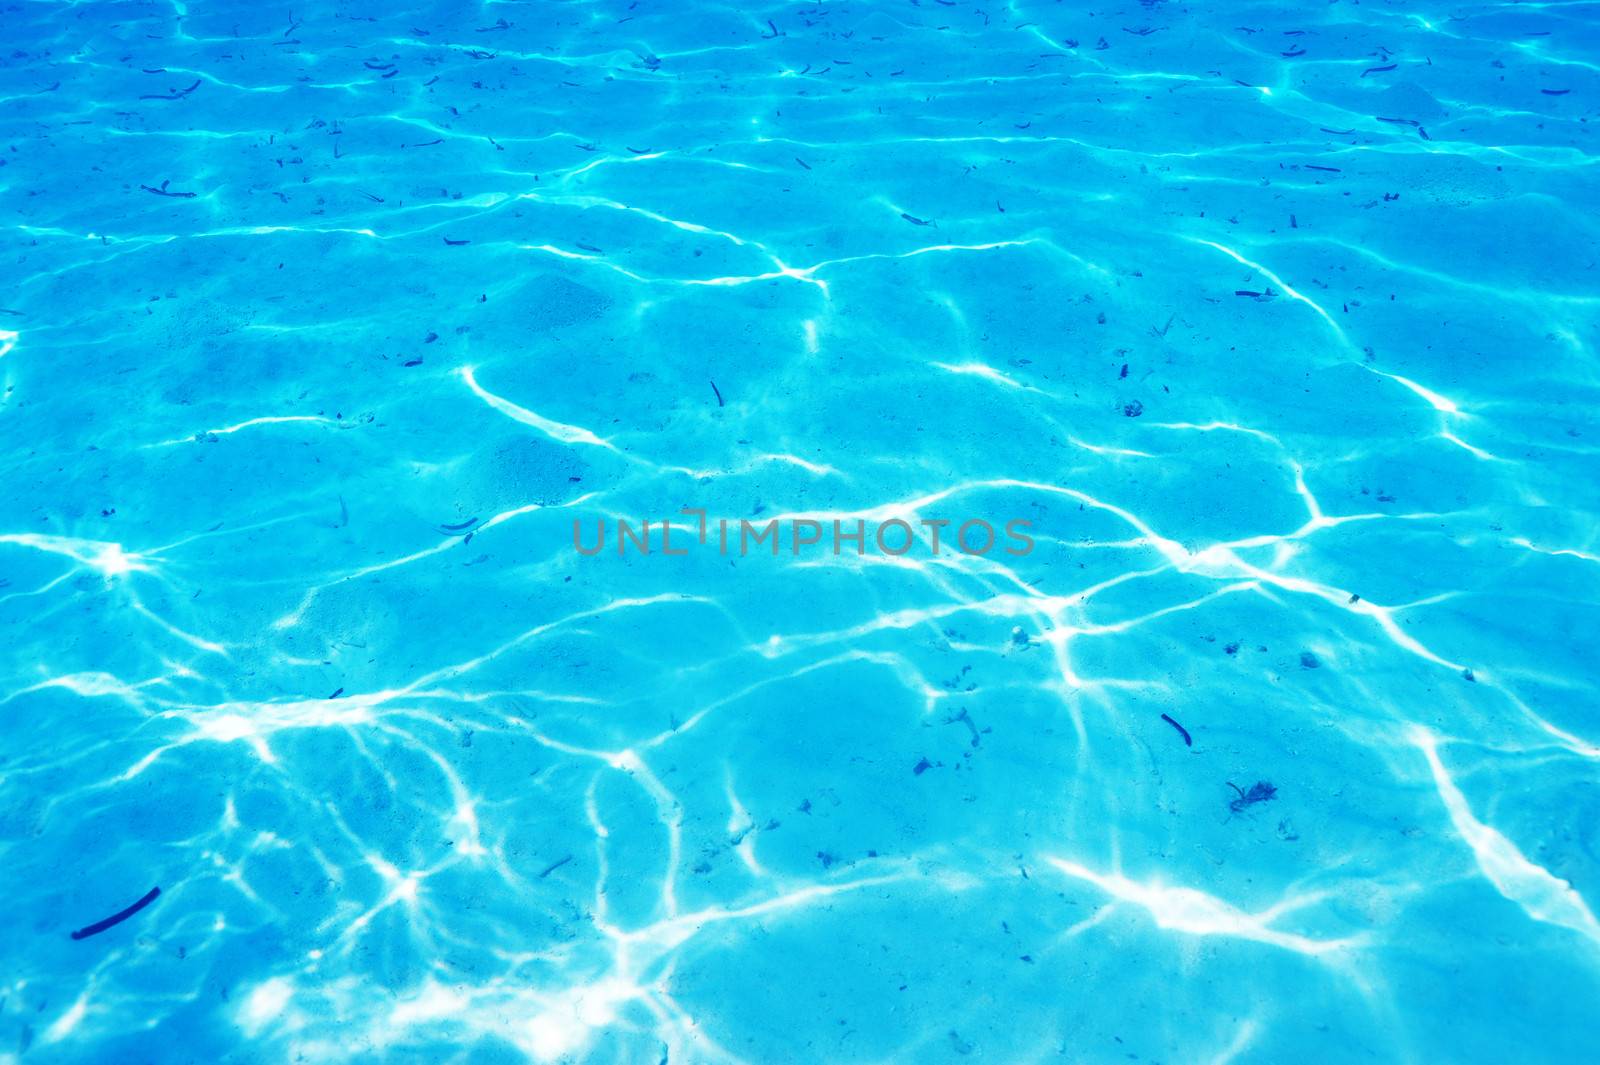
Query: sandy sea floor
[{"x": 320, "y": 329}]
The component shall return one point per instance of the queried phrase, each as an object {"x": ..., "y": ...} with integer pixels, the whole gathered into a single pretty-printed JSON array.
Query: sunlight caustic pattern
[{"x": 322, "y": 331}]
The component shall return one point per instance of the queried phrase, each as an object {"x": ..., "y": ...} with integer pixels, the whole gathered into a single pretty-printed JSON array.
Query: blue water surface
[{"x": 322, "y": 324}]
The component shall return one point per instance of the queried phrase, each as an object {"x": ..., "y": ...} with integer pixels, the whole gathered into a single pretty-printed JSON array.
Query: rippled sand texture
[{"x": 1279, "y": 324}]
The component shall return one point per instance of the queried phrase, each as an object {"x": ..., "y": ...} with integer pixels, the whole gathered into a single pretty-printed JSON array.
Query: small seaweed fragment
[
  {"x": 914, "y": 220},
  {"x": 553, "y": 866},
  {"x": 460, "y": 527},
  {"x": 176, "y": 94},
  {"x": 162, "y": 191},
  {"x": 966, "y": 719},
  {"x": 1377, "y": 70},
  {"x": 118, "y": 917},
  {"x": 1187, "y": 741},
  {"x": 1260, "y": 791},
  {"x": 718, "y": 393}
]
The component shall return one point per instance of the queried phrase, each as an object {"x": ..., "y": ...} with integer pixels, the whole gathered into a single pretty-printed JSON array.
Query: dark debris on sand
[{"x": 1260, "y": 791}]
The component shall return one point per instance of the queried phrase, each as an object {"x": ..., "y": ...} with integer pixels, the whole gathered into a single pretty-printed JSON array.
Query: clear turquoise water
[{"x": 415, "y": 796}]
